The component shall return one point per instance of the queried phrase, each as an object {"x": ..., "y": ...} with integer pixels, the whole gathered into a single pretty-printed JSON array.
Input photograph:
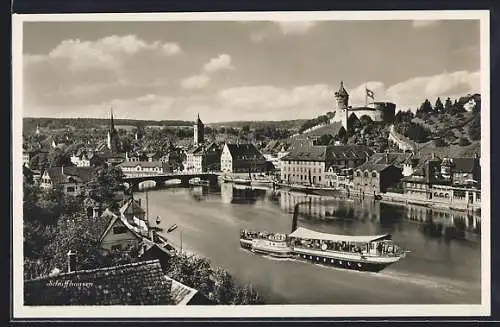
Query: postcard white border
[{"x": 271, "y": 311}]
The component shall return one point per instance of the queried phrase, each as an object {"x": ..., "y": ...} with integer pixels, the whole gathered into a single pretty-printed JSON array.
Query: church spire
[{"x": 112, "y": 126}]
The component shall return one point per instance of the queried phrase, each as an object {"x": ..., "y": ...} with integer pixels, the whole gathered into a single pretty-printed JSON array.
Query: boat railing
[{"x": 390, "y": 250}]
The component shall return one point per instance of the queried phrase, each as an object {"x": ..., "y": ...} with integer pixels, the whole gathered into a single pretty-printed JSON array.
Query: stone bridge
[{"x": 160, "y": 179}]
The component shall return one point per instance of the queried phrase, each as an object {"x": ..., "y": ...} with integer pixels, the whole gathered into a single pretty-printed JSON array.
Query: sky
[{"x": 241, "y": 70}]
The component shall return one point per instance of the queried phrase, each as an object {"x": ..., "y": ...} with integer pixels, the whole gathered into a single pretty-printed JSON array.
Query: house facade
[
  {"x": 373, "y": 179},
  {"x": 136, "y": 169},
  {"x": 242, "y": 158},
  {"x": 70, "y": 180}
]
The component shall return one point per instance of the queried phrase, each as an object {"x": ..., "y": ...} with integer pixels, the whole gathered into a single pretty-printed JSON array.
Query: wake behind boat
[{"x": 365, "y": 253}]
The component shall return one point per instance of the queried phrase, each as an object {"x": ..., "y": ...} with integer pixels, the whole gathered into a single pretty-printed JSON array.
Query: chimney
[
  {"x": 387, "y": 158},
  {"x": 475, "y": 155},
  {"x": 71, "y": 261},
  {"x": 62, "y": 169},
  {"x": 95, "y": 212},
  {"x": 433, "y": 155}
]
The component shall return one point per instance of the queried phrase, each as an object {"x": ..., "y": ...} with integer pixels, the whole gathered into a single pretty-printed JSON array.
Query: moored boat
[
  {"x": 242, "y": 181},
  {"x": 365, "y": 253}
]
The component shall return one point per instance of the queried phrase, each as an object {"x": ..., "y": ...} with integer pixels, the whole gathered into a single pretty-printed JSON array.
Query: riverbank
[{"x": 389, "y": 197}]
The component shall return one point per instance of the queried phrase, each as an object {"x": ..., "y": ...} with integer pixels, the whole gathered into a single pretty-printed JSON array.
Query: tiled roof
[
  {"x": 245, "y": 151},
  {"x": 307, "y": 153},
  {"x": 396, "y": 158},
  {"x": 131, "y": 207},
  {"x": 141, "y": 283},
  {"x": 59, "y": 175},
  {"x": 180, "y": 293},
  {"x": 373, "y": 167},
  {"x": 349, "y": 151}
]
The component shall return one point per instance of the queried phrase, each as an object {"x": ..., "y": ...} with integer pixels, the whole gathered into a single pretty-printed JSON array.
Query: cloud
[
  {"x": 271, "y": 102},
  {"x": 195, "y": 82},
  {"x": 412, "y": 92},
  {"x": 108, "y": 53},
  {"x": 171, "y": 49},
  {"x": 421, "y": 23},
  {"x": 221, "y": 62},
  {"x": 295, "y": 27}
]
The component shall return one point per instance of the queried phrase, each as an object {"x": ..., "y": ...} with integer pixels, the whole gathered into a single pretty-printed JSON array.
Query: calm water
[{"x": 439, "y": 269}]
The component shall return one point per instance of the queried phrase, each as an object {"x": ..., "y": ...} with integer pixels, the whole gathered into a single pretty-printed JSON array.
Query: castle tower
[
  {"x": 37, "y": 132},
  {"x": 342, "y": 110},
  {"x": 199, "y": 132},
  {"x": 113, "y": 141}
]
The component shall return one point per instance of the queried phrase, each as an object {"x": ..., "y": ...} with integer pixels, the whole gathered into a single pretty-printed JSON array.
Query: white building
[
  {"x": 304, "y": 165},
  {"x": 134, "y": 169},
  {"x": 242, "y": 158}
]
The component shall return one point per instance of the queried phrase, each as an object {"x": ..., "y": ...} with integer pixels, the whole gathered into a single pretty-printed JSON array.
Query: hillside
[
  {"x": 29, "y": 123},
  {"x": 284, "y": 124}
]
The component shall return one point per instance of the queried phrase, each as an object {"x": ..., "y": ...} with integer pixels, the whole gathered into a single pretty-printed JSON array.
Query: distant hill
[
  {"x": 29, "y": 123},
  {"x": 284, "y": 124}
]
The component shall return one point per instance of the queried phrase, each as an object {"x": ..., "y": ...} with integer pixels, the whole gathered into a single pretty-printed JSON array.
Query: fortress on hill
[{"x": 377, "y": 111}]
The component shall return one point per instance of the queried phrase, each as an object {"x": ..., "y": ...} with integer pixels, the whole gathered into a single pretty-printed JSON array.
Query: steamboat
[{"x": 371, "y": 253}]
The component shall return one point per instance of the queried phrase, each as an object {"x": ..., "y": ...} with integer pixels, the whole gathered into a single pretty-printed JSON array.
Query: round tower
[{"x": 342, "y": 110}]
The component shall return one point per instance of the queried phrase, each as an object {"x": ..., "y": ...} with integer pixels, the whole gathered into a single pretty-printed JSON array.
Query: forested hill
[{"x": 29, "y": 123}]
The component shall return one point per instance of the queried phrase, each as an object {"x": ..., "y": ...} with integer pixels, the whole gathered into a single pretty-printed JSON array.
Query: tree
[
  {"x": 463, "y": 141},
  {"x": 57, "y": 158},
  {"x": 474, "y": 129},
  {"x": 246, "y": 128},
  {"x": 438, "y": 107},
  {"x": 325, "y": 139},
  {"x": 39, "y": 161},
  {"x": 440, "y": 143},
  {"x": 425, "y": 108},
  {"x": 105, "y": 184},
  {"x": 448, "y": 106}
]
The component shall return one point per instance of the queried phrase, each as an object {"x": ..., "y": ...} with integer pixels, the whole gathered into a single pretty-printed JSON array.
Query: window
[
  {"x": 119, "y": 230},
  {"x": 374, "y": 174},
  {"x": 365, "y": 174},
  {"x": 70, "y": 189},
  {"x": 358, "y": 174},
  {"x": 116, "y": 247}
]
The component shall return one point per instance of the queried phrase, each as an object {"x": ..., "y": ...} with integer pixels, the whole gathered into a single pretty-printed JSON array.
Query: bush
[
  {"x": 440, "y": 143},
  {"x": 463, "y": 141}
]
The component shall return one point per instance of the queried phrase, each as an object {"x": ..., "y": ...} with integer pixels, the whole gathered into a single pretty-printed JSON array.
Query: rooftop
[{"x": 141, "y": 283}]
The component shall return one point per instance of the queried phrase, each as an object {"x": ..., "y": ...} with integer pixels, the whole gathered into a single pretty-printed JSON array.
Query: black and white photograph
[{"x": 267, "y": 164}]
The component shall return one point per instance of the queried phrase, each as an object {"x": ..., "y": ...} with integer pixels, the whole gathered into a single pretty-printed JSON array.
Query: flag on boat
[{"x": 370, "y": 93}]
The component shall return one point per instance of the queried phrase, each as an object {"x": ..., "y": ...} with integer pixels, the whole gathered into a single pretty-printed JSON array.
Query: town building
[
  {"x": 450, "y": 180},
  {"x": 242, "y": 158},
  {"x": 135, "y": 156},
  {"x": 198, "y": 132},
  {"x": 118, "y": 236},
  {"x": 203, "y": 158},
  {"x": 141, "y": 168},
  {"x": 70, "y": 180},
  {"x": 375, "y": 178},
  {"x": 317, "y": 164}
]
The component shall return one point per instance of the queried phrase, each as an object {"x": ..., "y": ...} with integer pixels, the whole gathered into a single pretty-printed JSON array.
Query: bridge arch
[{"x": 149, "y": 183}]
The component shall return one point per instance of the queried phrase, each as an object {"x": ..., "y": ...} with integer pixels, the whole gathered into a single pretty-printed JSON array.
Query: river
[{"x": 444, "y": 266}]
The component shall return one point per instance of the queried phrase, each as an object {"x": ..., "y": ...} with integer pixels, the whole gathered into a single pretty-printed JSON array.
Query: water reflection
[
  {"x": 347, "y": 213},
  {"x": 241, "y": 194}
]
